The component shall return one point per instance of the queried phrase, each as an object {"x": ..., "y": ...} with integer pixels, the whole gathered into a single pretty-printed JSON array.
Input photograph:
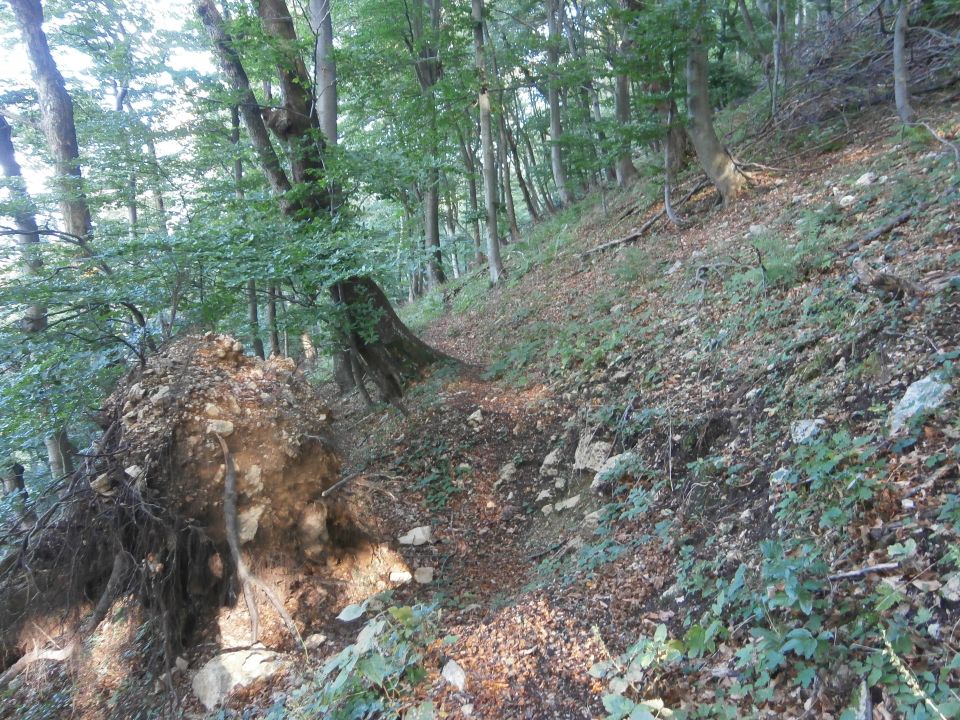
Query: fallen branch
[
  {"x": 886, "y": 283},
  {"x": 860, "y": 572},
  {"x": 36, "y": 656}
]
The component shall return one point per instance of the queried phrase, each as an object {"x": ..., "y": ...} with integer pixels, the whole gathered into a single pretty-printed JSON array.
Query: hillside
[{"x": 758, "y": 543}]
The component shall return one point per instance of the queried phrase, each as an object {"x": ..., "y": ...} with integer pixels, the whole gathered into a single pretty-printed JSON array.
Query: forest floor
[
  {"x": 741, "y": 371},
  {"x": 701, "y": 351}
]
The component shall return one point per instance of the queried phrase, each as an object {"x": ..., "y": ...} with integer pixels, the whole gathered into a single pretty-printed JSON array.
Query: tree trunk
[
  {"x": 431, "y": 221},
  {"x": 626, "y": 170},
  {"x": 56, "y": 119},
  {"x": 901, "y": 74},
  {"x": 60, "y": 453},
  {"x": 253, "y": 318},
  {"x": 507, "y": 183},
  {"x": 469, "y": 162},
  {"x": 25, "y": 222},
  {"x": 528, "y": 197},
  {"x": 397, "y": 356},
  {"x": 713, "y": 157},
  {"x": 486, "y": 143},
  {"x": 321, "y": 22},
  {"x": 553, "y": 96},
  {"x": 272, "y": 327}
]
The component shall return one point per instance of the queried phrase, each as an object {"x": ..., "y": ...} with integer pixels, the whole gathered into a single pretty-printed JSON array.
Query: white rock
[
  {"x": 314, "y": 641},
  {"x": 560, "y": 483},
  {"x": 617, "y": 309},
  {"x": 248, "y": 522},
  {"x": 467, "y": 710},
  {"x": 570, "y": 502},
  {"x": 674, "y": 268},
  {"x": 779, "y": 476},
  {"x": 401, "y": 577},
  {"x": 551, "y": 462},
  {"x": 220, "y": 427},
  {"x": 591, "y": 521},
  {"x": 544, "y": 495},
  {"x": 756, "y": 230},
  {"x": 212, "y": 411},
  {"x": 423, "y": 575},
  {"x": 546, "y": 509},
  {"x": 134, "y": 471},
  {"x": 218, "y": 678},
  {"x": 802, "y": 431},
  {"x": 160, "y": 395},
  {"x": 868, "y": 178},
  {"x": 454, "y": 674},
  {"x": 476, "y": 418},
  {"x": 847, "y": 201},
  {"x": 507, "y": 473},
  {"x": 252, "y": 480},
  {"x": 926, "y": 394},
  {"x": 181, "y": 663},
  {"x": 417, "y": 536},
  {"x": 590, "y": 454},
  {"x": 613, "y": 470}
]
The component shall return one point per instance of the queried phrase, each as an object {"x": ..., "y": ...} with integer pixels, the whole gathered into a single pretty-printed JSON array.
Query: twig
[{"x": 860, "y": 572}]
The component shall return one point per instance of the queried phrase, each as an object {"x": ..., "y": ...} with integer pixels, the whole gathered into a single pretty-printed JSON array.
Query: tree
[
  {"x": 391, "y": 355},
  {"x": 901, "y": 90},
  {"x": 553, "y": 94},
  {"x": 714, "y": 158}
]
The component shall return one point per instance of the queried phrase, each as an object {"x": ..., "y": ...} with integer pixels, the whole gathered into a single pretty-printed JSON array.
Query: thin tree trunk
[
  {"x": 325, "y": 82},
  {"x": 713, "y": 157},
  {"x": 272, "y": 328},
  {"x": 470, "y": 165},
  {"x": 901, "y": 74},
  {"x": 553, "y": 95},
  {"x": 626, "y": 170},
  {"x": 60, "y": 453},
  {"x": 486, "y": 143},
  {"x": 253, "y": 318},
  {"x": 528, "y": 197},
  {"x": 507, "y": 183}
]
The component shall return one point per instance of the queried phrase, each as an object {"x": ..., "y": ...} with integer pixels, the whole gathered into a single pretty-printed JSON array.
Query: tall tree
[{"x": 553, "y": 96}]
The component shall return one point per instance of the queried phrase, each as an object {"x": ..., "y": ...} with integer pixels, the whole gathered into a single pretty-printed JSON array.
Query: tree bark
[
  {"x": 60, "y": 453},
  {"x": 901, "y": 89},
  {"x": 553, "y": 97},
  {"x": 486, "y": 143},
  {"x": 24, "y": 219},
  {"x": 713, "y": 157},
  {"x": 470, "y": 164},
  {"x": 272, "y": 327},
  {"x": 507, "y": 184},
  {"x": 56, "y": 119},
  {"x": 253, "y": 318},
  {"x": 321, "y": 21}
]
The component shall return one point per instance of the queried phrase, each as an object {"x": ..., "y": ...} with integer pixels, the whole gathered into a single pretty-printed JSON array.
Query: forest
[{"x": 512, "y": 358}]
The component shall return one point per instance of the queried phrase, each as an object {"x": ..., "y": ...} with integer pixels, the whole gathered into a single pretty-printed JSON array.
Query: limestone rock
[
  {"x": 613, "y": 470},
  {"x": 570, "y": 502},
  {"x": 417, "y": 536},
  {"x": 454, "y": 674},
  {"x": 847, "y": 200},
  {"x": 476, "y": 418},
  {"x": 221, "y": 675},
  {"x": 220, "y": 427},
  {"x": 591, "y": 454},
  {"x": 314, "y": 641},
  {"x": 551, "y": 462},
  {"x": 868, "y": 178},
  {"x": 803, "y": 431},
  {"x": 507, "y": 473},
  {"x": 401, "y": 577},
  {"x": 248, "y": 522},
  {"x": 926, "y": 394},
  {"x": 423, "y": 575}
]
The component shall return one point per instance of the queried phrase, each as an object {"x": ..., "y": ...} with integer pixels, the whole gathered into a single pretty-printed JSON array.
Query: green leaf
[
  {"x": 352, "y": 612},
  {"x": 423, "y": 711},
  {"x": 617, "y": 706}
]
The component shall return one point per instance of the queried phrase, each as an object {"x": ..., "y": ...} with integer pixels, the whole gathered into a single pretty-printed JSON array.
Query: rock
[
  {"x": 544, "y": 495},
  {"x": 613, "y": 470},
  {"x": 779, "y": 476},
  {"x": 673, "y": 269},
  {"x": 926, "y": 394},
  {"x": 220, "y": 427},
  {"x": 162, "y": 393},
  {"x": 476, "y": 418},
  {"x": 252, "y": 480},
  {"x": 591, "y": 521},
  {"x": 560, "y": 483},
  {"x": 181, "y": 663},
  {"x": 423, "y": 575},
  {"x": 248, "y": 522},
  {"x": 757, "y": 230},
  {"x": 134, "y": 471},
  {"x": 803, "y": 431},
  {"x": 590, "y": 454},
  {"x": 570, "y": 502},
  {"x": 401, "y": 577},
  {"x": 546, "y": 509},
  {"x": 868, "y": 178},
  {"x": 617, "y": 309},
  {"x": 102, "y": 485},
  {"x": 551, "y": 462},
  {"x": 417, "y": 536},
  {"x": 507, "y": 473},
  {"x": 467, "y": 710},
  {"x": 217, "y": 679},
  {"x": 212, "y": 411},
  {"x": 314, "y": 641},
  {"x": 847, "y": 201},
  {"x": 454, "y": 674}
]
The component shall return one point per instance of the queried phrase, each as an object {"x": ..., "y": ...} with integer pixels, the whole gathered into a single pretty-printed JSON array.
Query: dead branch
[
  {"x": 860, "y": 572},
  {"x": 35, "y": 656},
  {"x": 886, "y": 283}
]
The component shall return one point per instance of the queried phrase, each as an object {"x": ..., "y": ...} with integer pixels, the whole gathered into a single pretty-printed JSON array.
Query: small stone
[
  {"x": 101, "y": 484},
  {"x": 673, "y": 269},
  {"x": 423, "y": 575},
  {"x": 617, "y": 309},
  {"x": 467, "y": 710},
  {"x": 464, "y": 468},
  {"x": 181, "y": 663},
  {"x": 417, "y": 536},
  {"x": 314, "y": 641},
  {"x": 476, "y": 417},
  {"x": 756, "y": 230},
  {"x": 591, "y": 521},
  {"x": 560, "y": 483},
  {"x": 401, "y": 577},
  {"x": 613, "y": 470},
  {"x": 215, "y": 680},
  {"x": 546, "y": 509},
  {"x": 507, "y": 473},
  {"x": 212, "y": 411},
  {"x": 134, "y": 471},
  {"x": 847, "y": 201},
  {"x": 590, "y": 454},
  {"x": 162, "y": 393},
  {"x": 454, "y": 674},
  {"x": 803, "y": 431},
  {"x": 868, "y": 178},
  {"x": 223, "y": 428},
  {"x": 544, "y": 495},
  {"x": 570, "y": 502},
  {"x": 248, "y": 522},
  {"x": 551, "y": 461}
]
